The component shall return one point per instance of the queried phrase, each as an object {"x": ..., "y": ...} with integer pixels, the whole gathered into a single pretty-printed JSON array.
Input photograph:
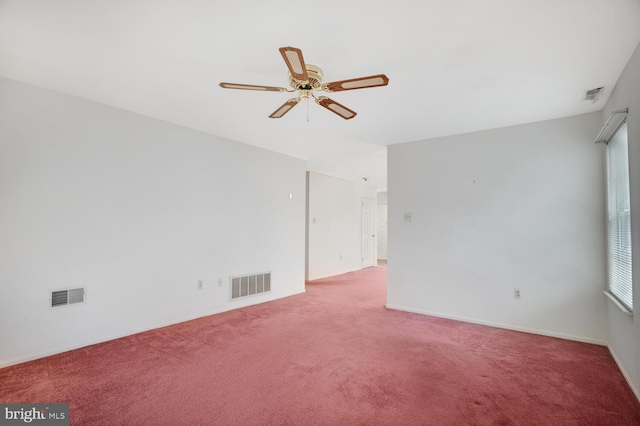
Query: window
[{"x": 619, "y": 218}]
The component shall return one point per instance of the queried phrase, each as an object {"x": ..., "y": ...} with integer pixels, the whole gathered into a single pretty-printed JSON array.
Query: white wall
[
  {"x": 624, "y": 330},
  {"x": 516, "y": 207},
  {"x": 137, "y": 210},
  {"x": 334, "y": 225}
]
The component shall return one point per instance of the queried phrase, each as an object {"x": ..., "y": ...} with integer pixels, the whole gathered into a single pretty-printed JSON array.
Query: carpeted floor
[{"x": 331, "y": 356}]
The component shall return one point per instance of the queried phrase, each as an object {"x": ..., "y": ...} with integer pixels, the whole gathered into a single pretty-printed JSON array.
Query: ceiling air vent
[
  {"x": 67, "y": 297},
  {"x": 593, "y": 95}
]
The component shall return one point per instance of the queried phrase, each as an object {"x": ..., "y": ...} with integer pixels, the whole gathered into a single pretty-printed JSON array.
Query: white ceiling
[{"x": 454, "y": 66}]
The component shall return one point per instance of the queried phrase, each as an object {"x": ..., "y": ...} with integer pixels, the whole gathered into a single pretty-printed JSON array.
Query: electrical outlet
[
  {"x": 516, "y": 293},
  {"x": 200, "y": 284},
  {"x": 219, "y": 282}
]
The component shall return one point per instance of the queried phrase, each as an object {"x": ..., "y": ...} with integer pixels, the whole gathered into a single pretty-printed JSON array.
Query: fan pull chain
[{"x": 307, "y": 110}]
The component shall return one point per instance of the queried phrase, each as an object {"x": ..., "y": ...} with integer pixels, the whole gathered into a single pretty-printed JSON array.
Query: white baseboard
[
  {"x": 624, "y": 373},
  {"x": 131, "y": 332},
  {"x": 504, "y": 326}
]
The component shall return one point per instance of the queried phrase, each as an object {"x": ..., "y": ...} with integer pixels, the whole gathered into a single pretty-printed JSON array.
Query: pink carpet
[{"x": 331, "y": 356}]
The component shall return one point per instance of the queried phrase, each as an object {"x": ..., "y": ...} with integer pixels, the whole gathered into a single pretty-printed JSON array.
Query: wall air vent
[
  {"x": 593, "y": 95},
  {"x": 250, "y": 285},
  {"x": 68, "y": 296}
]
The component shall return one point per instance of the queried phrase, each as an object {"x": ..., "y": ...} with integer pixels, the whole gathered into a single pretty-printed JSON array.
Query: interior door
[
  {"x": 381, "y": 235},
  {"x": 368, "y": 232}
]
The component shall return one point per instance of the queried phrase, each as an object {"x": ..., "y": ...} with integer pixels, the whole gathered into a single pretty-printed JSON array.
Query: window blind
[{"x": 619, "y": 218}]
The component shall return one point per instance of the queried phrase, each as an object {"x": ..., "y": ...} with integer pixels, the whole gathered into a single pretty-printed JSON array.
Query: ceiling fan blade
[
  {"x": 336, "y": 108},
  {"x": 252, "y": 87},
  {"x": 356, "y": 83},
  {"x": 284, "y": 108},
  {"x": 295, "y": 62}
]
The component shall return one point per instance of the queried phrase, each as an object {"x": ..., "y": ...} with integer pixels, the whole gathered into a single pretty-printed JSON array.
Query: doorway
[
  {"x": 381, "y": 233},
  {"x": 368, "y": 232}
]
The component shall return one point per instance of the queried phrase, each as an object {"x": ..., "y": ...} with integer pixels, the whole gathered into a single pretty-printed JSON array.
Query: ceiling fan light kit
[{"x": 306, "y": 79}]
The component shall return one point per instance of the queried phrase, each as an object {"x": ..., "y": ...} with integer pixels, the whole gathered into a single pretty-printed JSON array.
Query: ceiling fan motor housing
[{"x": 315, "y": 79}]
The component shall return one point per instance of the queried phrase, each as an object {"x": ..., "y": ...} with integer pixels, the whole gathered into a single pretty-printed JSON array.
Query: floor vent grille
[
  {"x": 68, "y": 296},
  {"x": 250, "y": 285}
]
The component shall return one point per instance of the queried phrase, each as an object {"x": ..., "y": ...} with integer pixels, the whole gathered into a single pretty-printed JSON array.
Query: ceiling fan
[{"x": 306, "y": 79}]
